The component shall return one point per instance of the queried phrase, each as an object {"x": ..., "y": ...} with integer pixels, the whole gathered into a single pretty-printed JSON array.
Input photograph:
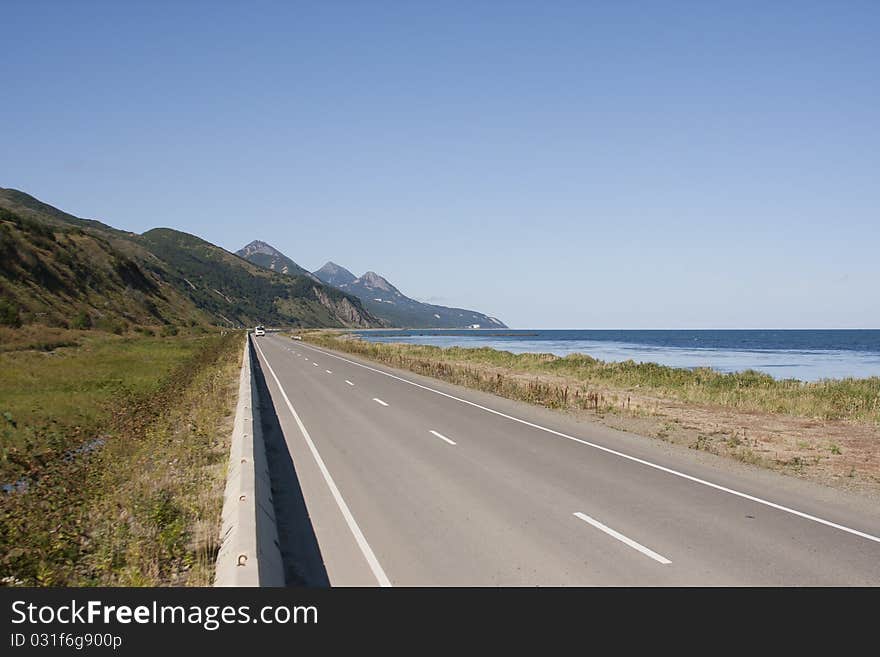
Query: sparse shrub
[
  {"x": 110, "y": 325},
  {"x": 81, "y": 321},
  {"x": 165, "y": 525},
  {"x": 9, "y": 314},
  {"x": 54, "y": 320},
  {"x": 168, "y": 330}
]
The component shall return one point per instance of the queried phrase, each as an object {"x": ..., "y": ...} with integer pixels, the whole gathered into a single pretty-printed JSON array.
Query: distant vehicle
[
  {"x": 259, "y": 331},
  {"x": 296, "y": 337}
]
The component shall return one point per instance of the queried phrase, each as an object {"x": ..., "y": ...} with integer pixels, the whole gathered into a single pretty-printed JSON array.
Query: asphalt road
[{"x": 410, "y": 481}]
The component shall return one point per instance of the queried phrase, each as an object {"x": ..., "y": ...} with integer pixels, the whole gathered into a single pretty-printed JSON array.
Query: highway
[{"x": 410, "y": 481}]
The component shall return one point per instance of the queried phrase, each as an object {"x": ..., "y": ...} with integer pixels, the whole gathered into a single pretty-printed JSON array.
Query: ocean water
[{"x": 808, "y": 355}]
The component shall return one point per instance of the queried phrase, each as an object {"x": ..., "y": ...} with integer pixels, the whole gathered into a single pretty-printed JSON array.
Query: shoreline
[
  {"x": 827, "y": 432},
  {"x": 812, "y": 359}
]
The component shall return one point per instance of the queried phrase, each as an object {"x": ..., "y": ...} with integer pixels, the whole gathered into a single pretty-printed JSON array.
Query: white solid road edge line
[
  {"x": 623, "y": 539},
  {"x": 608, "y": 450},
  {"x": 379, "y": 401},
  {"x": 366, "y": 550},
  {"x": 442, "y": 437}
]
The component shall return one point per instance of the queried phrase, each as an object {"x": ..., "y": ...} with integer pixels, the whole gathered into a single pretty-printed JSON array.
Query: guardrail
[{"x": 249, "y": 554}]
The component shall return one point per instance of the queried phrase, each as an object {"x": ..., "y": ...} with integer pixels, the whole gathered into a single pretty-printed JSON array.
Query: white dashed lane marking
[
  {"x": 623, "y": 539},
  {"x": 442, "y": 437}
]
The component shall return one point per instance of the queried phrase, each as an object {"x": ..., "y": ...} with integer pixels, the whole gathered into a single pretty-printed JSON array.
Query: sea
[{"x": 804, "y": 354}]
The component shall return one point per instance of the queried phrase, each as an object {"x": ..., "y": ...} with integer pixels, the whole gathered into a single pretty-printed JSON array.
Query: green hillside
[
  {"x": 232, "y": 288},
  {"x": 59, "y": 275},
  {"x": 60, "y": 270}
]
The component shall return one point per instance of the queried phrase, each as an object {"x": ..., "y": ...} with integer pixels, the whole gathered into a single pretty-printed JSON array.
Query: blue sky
[{"x": 556, "y": 164}]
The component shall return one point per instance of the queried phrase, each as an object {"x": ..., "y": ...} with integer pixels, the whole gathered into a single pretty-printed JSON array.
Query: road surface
[{"x": 411, "y": 481}]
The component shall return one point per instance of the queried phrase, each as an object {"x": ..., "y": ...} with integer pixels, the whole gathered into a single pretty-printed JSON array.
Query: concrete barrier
[{"x": 249, "y": 554}]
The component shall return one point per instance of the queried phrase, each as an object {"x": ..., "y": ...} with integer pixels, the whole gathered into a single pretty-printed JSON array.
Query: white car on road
[{"x": 259, "y": 330}]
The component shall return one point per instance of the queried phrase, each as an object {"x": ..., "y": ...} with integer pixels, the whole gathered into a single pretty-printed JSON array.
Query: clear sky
[{"x": 556, "y": 164}]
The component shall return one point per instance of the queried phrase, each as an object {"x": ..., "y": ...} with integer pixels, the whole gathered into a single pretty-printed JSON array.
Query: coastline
[
  {"x": 809, "y": 355},
  {"x": 827, "y": 432}
]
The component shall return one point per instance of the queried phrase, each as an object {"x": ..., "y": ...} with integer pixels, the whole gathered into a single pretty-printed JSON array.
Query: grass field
[
  {"x": 113, "y": 454},
  {"x": 73, "y": 390},
  {"x": 827, "y": 430}
]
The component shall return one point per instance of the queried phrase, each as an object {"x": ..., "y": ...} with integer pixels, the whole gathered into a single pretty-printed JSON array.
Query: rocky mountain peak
[
  {"x": 383, "y": 300},
  {"x": 372, "y": 280},
  {"x": 335, "y": 275},
  {"x": 258, "y": 246}
]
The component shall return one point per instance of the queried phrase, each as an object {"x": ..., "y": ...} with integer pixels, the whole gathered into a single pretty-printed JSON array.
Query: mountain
[
  {"x": 27, "y": 206},
  {"x": 62, "y": 275},
  {"x": 224, "y": 283},
  {"x": 333, "y": 274},
  {"x": 61, "y": 270},
  {"x": 266, "y": 255},
  {"x": 386, "y": 302}
]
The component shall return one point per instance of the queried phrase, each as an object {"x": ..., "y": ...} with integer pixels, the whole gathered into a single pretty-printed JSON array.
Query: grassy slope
[
  {"x": 29, "y": 207},
  {"x": 55, "y": 266},
  {"x": 142, "y": 505},
  {"x": 52, "y": 272},
  {"x": 229, "y": 286}
]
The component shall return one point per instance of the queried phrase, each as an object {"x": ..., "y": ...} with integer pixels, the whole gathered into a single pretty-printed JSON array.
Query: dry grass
[
  {"x": 827, "y": 431},
  {"x": 831, "y": 399},
  {"x": 39, "y": 338},
  {"x": 161, "y": 526}
]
